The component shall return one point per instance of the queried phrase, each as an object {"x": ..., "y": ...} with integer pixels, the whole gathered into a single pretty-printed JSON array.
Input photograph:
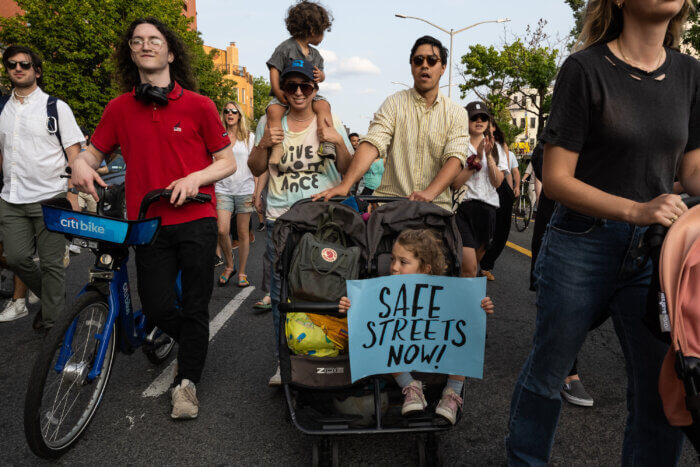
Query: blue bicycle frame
[{"x": 110, "y": 240}]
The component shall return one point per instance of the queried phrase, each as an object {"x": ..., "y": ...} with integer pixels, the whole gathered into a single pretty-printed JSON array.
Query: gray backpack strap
[{"x": 52, "y": 121}]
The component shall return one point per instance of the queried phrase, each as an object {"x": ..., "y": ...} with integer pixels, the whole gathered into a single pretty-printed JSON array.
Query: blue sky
[{"x": 368, "y": 47}]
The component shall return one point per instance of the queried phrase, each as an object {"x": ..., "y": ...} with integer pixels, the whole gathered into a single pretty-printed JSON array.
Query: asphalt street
[{"x": 243, "y": 422}]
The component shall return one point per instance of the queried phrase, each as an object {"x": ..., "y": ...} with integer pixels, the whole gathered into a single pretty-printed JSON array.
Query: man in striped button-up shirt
[{"x": 421, "y": 133}]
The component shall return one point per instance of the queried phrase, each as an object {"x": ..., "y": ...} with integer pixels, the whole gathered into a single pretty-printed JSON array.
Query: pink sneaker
[
  {"x": 414, "y": 401},
  {"x": 449, "y": 405}
]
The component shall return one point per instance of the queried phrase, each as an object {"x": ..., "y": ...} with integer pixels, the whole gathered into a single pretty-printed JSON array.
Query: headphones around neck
[{"x": 153, "y": 94}]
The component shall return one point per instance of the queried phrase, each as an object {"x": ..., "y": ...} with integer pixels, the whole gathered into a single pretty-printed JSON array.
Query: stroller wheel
[
  {"x": 428, "y": 451},
  {"x": 325, "y": 453}
]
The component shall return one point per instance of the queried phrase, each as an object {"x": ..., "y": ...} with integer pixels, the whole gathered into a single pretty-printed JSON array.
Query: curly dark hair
[
  {"x": 13, "y": 50},
  {"x": 306, "y": 19},
  {"x": 127, "y": 74},
  {"x": 427, "y": 247}
]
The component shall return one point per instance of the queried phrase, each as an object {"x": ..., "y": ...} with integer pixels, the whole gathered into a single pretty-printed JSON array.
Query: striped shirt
[{"x": 416, "y": 141}]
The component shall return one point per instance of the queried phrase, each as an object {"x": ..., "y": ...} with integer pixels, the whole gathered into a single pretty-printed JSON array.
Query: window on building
[
  {"x": 522, "y": 122},
  {"x": 242, "y": 99},
  {"x": 515, "y": 122},
  {"x": 532, "y": 122},
  {"x": 532, "y": 142}
]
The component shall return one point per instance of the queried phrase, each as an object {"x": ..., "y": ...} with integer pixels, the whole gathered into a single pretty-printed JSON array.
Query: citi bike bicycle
[
  {"x": 73, "y": 367},
  {"x": 522, "y": 206}
]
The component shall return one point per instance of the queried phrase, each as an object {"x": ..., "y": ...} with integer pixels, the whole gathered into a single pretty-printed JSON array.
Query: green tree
[
  {"x": 692, "y": 33},
  {"x": 261, "y": 97},
  {"x": 76, "y": 40},
  {"x": 527, "y": 66},
  {"x": 578, "y": 8}
]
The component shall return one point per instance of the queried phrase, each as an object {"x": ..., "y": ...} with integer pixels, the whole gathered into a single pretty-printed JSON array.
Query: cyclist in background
[{"x": 168, "y": 135}]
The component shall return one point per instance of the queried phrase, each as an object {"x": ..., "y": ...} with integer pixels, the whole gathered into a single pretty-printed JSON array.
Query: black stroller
[{"x": 320, "y": 396}]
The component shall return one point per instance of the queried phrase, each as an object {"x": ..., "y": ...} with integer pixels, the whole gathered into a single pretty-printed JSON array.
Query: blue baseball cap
[{"x": 302, "y": 67}]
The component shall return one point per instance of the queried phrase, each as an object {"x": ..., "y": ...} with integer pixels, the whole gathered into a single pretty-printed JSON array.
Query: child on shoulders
[
  {"x": 306, "y": 22},
  {"x": 421, "y": 252}
]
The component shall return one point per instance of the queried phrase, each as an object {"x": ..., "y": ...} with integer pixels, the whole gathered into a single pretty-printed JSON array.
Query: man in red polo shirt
[{"x": 168, "y": 136}]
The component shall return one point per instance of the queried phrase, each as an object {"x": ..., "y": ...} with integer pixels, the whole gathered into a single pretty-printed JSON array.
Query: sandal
[
  {"x": 224, "y": 279},
  {"x": 243, "y": 280},
  {"x": 263, "y": 304}
]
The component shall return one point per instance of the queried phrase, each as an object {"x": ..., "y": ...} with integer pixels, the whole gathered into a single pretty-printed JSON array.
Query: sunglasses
[
  {"x": 291, "y": 88},
  {"x": 11, "y": 65},
  {"x": 419, "y": 59},
  {"x": 230, "y": 111},
  {"x": 480, "y": 117}
]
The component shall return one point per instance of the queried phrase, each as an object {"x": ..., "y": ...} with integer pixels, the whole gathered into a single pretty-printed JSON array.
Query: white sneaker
[
  {"x": 276, "y": 379},
  {"x": 75, "y": 249},
  {"x": 15, "y": 309},
  {"x": 32, "y": 298},
  {"x": 184, "y": 400},
  {"x": 66, "y": 258}
]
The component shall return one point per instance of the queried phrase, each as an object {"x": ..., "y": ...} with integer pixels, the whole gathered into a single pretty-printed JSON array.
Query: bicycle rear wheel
[
  {"x": 522, "y": 212},
  {"x": 61, "y": 400}
]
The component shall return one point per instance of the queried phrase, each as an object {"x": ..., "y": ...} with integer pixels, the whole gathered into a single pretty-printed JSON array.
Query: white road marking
[{"x": 161, "y": 384}]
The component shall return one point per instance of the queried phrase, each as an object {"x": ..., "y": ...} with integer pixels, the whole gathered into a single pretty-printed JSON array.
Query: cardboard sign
[{"x": 417, "y": 322}]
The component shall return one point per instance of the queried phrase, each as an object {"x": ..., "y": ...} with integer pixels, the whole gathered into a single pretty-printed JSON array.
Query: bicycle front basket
[{"x": 105, "y": 229}]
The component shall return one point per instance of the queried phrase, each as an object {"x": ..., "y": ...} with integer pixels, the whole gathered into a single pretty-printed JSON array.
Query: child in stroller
[{"x": 420, "y": 251}]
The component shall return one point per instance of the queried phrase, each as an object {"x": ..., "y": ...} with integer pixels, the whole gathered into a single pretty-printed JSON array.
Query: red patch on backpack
[{"x": 329, "y": 255}]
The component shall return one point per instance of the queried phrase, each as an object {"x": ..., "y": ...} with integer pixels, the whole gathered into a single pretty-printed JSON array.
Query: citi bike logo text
[{"x": 73, "y": 223}]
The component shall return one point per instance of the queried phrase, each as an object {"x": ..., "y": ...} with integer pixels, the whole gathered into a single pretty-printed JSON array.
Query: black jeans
[
  {"x": 503, "y": 220},
  {"x": 190, "y": 248}
]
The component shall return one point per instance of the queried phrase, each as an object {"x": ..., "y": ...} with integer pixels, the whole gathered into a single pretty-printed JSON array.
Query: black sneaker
[
  {"x": 576, "y": 394},
  {"x": 218, "y": 261},
  {"x": 261, "y": 226}
]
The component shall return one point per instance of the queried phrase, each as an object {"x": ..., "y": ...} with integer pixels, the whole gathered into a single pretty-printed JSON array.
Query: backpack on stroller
[
  {"x": 320, "y": 397},
  {"x": 674, "y": 316}
]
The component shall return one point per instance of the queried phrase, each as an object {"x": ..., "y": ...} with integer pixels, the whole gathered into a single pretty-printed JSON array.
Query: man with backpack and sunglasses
[
  {"x": 420, "y": 133},
  {"x": 35, "y": 151}
]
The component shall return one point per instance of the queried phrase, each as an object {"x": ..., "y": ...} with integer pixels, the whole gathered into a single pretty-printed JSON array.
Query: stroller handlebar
[
  {"x": 315, "y": 308},
  {"x": 654, "y": 237}
]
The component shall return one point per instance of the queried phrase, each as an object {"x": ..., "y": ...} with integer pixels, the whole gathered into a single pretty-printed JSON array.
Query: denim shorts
[{"x": 237, "y": 204}]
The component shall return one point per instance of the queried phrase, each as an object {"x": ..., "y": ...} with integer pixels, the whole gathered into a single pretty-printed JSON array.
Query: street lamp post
[{"x": 452, "y": 33}]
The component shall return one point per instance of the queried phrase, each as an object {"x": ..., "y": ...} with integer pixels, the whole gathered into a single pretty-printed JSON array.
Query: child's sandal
[{"x": 243, "y": 280}]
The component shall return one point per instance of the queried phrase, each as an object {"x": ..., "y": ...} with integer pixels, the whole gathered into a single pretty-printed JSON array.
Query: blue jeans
[
  {"x": 585, "y": 270},
  {"x": 274, "y": 283}
]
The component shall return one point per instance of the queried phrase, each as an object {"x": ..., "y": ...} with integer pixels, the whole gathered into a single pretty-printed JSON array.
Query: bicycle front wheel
[
  {"x": 62, "y": 399},
  {"x": 522, "y": 212}
]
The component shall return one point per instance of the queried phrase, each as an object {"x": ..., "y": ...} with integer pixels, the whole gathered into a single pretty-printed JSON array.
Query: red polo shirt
[{"x": 162, "y": 144}]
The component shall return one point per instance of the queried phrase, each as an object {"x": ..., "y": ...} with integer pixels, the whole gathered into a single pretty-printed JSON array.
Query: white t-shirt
[
  {"x": 479, "y": 186},
  {"x": 513, "y": 161},
  {"x": 301, "y": 172},
  {"x": 32, "y": 159},
  {"x": 241, "y": 182}
]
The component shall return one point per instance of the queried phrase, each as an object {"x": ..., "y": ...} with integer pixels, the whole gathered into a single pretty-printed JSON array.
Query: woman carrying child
[
  {"x": 421, "y": 252},
  {"x": 301, "y": 171}
]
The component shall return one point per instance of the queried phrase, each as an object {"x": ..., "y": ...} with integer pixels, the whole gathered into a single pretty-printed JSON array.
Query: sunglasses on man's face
[
  {"x": 230, "y": 111},
  {"x": 479, "y": 117},
  {"x": 291, "y": 88},
  {"x": 11, "y": 65},
  {"x": 419, "y": 59}
]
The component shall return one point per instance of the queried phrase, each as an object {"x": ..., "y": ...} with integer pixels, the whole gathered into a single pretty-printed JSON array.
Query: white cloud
[
  {"x": 368, "y": 91},
  {"x": 328, "y": 56},
  {"x": 358, "y": 66},
  {"x": 328, "y": 86}
]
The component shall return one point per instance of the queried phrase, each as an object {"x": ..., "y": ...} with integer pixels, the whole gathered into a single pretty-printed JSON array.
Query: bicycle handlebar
[{"x": 155, "y": 195}]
